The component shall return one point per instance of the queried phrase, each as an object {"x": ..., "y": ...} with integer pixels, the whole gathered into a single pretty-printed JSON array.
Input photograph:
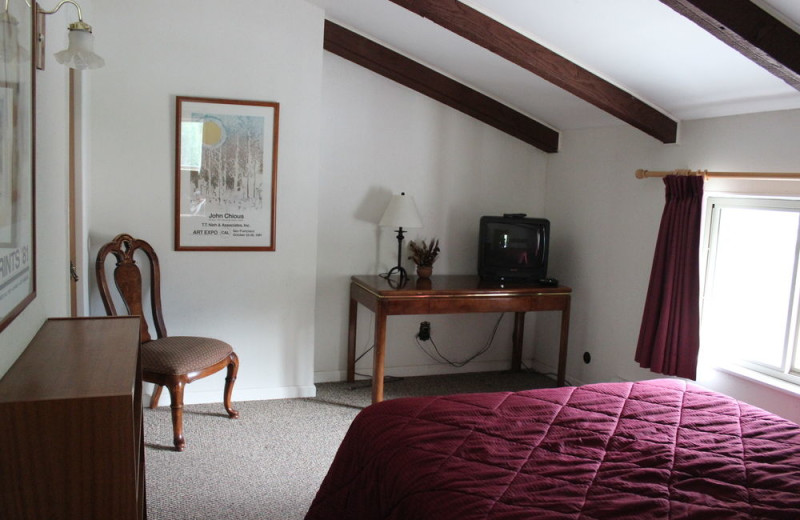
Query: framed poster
[
  {"x": 17, "y": 236},
  {"x": 8, "y": 102},
  {"x": 226, "y": 160}
]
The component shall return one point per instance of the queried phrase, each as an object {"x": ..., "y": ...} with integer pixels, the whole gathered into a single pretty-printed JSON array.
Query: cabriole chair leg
[
  {"x": 230, "y": 379},
  {"x": 176, "y": 397}
]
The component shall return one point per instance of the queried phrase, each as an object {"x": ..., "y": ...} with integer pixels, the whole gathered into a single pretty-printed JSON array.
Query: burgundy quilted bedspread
[{"x": 655, "y": 449}]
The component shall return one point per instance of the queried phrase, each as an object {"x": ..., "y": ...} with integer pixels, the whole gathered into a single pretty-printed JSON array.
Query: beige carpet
[{"x": 268, "y": 464}]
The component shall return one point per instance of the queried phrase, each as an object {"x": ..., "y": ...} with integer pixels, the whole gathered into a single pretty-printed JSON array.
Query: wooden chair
[{"x": 171, "y": 361}]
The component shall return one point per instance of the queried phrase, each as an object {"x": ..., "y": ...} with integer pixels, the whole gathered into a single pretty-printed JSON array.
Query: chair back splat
[{"x": 128, "y": 280}]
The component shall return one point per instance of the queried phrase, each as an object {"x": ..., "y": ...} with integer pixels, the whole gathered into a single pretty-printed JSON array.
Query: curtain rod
[{"x": 644, "y": 174}]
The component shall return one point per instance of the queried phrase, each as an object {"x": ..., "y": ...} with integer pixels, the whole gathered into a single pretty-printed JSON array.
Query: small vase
[{"x": 424, "y": 271}]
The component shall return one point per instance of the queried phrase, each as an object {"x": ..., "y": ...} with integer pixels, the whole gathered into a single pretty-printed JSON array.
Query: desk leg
[
  {"x": 351, "y": 341},
  {"x": 562, "y": 348},
  {"x": 379, "y": 355},
  {"x": 516, "y": 341}
]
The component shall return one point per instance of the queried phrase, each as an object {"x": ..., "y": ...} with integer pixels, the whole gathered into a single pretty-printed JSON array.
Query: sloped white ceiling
[{"x": 642, "y": 46}]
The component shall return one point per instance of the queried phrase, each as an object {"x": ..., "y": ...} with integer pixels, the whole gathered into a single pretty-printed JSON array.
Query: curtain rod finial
[{"x": 641, "y": 174}]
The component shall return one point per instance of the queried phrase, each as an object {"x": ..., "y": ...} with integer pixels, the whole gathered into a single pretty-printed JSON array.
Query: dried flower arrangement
[{"x": 424, "y": 254}]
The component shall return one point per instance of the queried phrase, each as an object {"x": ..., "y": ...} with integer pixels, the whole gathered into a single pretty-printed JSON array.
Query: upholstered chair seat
[{"x": 183, "y": 354}]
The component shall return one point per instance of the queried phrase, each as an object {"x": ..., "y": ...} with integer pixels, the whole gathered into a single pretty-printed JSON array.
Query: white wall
[
  {"x": 607, "y": 223},
  {"x": 380, "y": 138},
  {"x": 51, "y": 177},
  {"x": 270, "y": 50}
]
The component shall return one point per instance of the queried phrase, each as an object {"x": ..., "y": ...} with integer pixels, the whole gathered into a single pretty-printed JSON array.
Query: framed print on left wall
[
  {"x": 17, "y": 219},
  {"x": 226, "y": 159}
]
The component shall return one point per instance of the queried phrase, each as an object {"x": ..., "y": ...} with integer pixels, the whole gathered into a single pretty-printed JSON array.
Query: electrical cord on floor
[{"x": 441, "y": 358}]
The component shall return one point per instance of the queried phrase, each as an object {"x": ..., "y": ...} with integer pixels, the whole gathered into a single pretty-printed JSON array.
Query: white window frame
[{"x": 715, "y": 204}]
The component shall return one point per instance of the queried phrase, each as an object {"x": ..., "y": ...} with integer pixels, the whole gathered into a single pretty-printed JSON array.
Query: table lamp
[{"x": 401, "y": 213}]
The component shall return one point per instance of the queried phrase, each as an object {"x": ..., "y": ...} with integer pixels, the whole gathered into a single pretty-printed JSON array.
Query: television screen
[{"x": 513, "y": 248}]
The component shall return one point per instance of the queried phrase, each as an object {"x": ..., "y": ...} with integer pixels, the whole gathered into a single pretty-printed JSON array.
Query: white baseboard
[
  {"x": 239, "y": 394},
  {"x": 330, "y": 376}
]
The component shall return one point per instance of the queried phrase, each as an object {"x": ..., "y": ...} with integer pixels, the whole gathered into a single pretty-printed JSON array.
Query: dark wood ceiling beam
[
  {"x": 517, "y": 48},
  {"x": 403, "y": 70},
  {"x": 750, "y": 30}
]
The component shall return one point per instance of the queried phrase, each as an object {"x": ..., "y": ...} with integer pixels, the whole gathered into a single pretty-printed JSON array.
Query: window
[{"x": 750, "y": 298}]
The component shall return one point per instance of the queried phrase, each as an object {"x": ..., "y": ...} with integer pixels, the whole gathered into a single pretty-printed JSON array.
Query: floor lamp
[{"x": 401, "y": 213}]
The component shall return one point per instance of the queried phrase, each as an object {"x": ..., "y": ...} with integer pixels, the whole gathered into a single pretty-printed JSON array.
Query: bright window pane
[{"x": 747, "y": 309}]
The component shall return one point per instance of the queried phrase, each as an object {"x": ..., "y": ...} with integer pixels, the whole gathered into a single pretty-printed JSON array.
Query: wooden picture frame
[
  {"x": 226, "y": 166},
  {"x": 17, "y": 132}
]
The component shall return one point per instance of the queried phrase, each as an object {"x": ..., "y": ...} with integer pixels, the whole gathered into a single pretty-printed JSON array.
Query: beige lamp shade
[{"x": 401, "y": 213}]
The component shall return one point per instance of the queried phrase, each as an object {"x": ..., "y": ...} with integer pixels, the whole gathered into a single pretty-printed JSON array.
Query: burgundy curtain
[{"x": 669, "y": 338}]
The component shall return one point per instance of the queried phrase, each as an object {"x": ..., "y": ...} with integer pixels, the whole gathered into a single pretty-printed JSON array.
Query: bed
[{"x": 651, "y": 449}]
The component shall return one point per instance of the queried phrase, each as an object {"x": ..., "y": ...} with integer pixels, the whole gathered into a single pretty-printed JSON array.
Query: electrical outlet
[{"x": 424, "y": 333}]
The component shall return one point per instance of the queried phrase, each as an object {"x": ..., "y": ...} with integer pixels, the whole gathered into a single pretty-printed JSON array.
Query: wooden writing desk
[{"x": 450, "y": 294}]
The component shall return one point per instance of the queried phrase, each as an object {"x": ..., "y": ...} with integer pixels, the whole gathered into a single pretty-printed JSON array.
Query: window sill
[{"x": 762, "y": 379}]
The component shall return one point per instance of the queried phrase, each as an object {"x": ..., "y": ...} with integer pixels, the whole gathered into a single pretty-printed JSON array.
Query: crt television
[{"x": 513, "y": 247}]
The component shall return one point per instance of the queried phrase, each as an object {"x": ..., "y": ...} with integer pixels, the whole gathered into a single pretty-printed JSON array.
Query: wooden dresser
[{"x": 71, "y": 437}]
